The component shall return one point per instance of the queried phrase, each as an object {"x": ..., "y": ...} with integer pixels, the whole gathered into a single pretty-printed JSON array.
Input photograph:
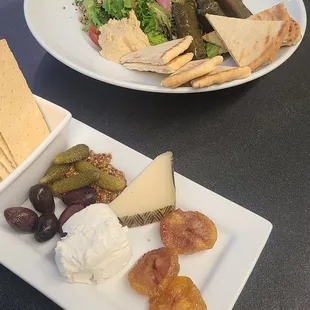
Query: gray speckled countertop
[{"x": 250, "y": 144}]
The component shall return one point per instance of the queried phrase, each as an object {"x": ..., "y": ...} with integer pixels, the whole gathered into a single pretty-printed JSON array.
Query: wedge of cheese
[{"x": 150, "y": 197}]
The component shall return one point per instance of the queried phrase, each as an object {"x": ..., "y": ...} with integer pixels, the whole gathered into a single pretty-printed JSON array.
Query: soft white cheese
[{"x": 96, "y": 246}]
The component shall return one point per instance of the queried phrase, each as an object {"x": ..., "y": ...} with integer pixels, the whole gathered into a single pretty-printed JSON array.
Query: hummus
[{"x": 121, "y": 37}]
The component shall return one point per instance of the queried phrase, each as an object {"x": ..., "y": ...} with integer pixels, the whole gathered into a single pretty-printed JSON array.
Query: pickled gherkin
[
  {"x": 74, "y": 182},
  {"x": 75, "y": 153},
  {"x": 55, "y": 173},
  {"x": 186, "y": 22},
  {"x": 105, "y": 181}
]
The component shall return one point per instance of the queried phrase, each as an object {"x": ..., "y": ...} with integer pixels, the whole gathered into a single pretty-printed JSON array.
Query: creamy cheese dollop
[{"x": 96, "y": 246}]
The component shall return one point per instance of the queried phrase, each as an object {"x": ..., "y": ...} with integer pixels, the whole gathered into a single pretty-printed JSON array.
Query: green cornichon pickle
[
  {"x": 75, "y": 153},
  {"x": 75, "y": 182},
  {"x": 105, "y": 181},
  {"x": 55, "y": 173}
]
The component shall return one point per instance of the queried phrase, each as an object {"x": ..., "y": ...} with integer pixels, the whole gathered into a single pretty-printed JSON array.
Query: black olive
[
  {"x": 47, "y": 226},
  {"x": 42, "y": 199},
  {"x": 84, "y": 196}
]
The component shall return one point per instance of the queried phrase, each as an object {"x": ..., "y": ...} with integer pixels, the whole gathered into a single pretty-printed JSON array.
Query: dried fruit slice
[
  {"x": 154, "y": 271},
  {"x": 181, "y": 294},
  {"x": 188, "y": 232}
]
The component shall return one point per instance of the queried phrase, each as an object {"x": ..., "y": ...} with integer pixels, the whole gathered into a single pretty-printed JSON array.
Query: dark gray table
[{"x": 250, "y": 144}]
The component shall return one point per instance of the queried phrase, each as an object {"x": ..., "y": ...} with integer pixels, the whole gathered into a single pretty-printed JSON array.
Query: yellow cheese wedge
[{"x": 150, "y": 197}]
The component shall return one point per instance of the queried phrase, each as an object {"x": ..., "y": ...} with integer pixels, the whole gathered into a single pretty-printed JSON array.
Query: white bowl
[{"x": 14, "y": 189}]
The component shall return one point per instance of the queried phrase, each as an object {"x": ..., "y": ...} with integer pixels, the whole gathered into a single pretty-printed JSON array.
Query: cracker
[
  {"x": 3, "y": 172},
  {"x": 21, "y": 122},
  {"x": 5, "y": 161},
  {"x": 192, "y": 70},
  {"x": 5, "y": 149}
]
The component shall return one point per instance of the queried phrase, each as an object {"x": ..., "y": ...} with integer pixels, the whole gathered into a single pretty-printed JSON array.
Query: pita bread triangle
[
  {"x": 275, "y": 13},
  {"x": 159, "y": 54},
  {"x": 251, "y": 43}
]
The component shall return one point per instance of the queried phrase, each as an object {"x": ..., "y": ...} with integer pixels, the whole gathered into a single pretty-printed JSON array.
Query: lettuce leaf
[
  {"x": 96, "y": 14},
  {"x": 155, "y": 22},
  {"x": 118, "y": 8},
  {"x": 212, "y": 50}
]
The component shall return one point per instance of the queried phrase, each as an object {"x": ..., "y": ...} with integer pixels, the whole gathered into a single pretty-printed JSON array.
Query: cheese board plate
[
  {"x": 220, "y": 273},
  {"x": 66, "y": 41}
]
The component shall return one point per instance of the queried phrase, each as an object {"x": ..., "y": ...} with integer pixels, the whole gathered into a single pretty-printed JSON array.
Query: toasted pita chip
[
  {"x": 160, "y": 54},
  {"x": 192, "y": 70},
  {"x": 220, "y": 75},
  {"x": 250, "y": 43},
  {"x": 169, "y": 68},
  {"x": 276, "y": 13}
]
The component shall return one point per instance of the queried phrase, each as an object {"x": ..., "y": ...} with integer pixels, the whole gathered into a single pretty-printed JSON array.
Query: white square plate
[{"x": 219, "y": 273}]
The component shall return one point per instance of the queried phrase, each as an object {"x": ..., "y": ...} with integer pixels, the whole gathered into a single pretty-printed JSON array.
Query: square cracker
[
  {"x": 21, "y": 122},
  {"x": 3, "y": 172},
  {"x": 5, "y": 161}
]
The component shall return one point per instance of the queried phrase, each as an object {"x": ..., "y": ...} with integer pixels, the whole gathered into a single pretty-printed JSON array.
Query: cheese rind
[{"x": 150, "y": 196}]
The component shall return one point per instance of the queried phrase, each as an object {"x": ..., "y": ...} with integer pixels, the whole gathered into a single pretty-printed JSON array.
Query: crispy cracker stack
[{"x": 22, "y": 126}]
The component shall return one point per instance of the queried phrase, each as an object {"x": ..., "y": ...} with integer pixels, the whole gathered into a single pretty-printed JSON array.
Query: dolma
[{"x": 234, "y": 8}]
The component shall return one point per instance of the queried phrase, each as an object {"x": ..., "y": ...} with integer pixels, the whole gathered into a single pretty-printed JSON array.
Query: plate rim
[{"x": 159, "y": 89}]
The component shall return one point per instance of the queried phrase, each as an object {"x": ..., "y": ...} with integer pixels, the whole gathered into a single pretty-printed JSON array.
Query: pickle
[
  {"x": 75, "y": 153},
  {"x": 105, "y": 181},
  {"x": 75, "y": 182},
  {"x": 55, "y": 173}
]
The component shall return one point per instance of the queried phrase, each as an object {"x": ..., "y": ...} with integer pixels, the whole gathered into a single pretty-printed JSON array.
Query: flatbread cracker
[
  {"x": 4, "y": 147},
  {"x": 160, "y": 54},
  {"x": 192, "y": 70},
  {"x": 220, "y": 75},
  {"x": 169, "y": 68},
  {"x": 21, "y": 122},
  {"x": 5, "y": 161},
  {"x": 251, "y": 43},
  {"x": 276, "y": 13},
  {"x": 3, "y": 172}
]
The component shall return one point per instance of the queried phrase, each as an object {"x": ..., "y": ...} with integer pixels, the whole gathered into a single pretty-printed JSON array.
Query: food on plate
[
  {"x": 160, "y": 54},
  {"x": 185, "y": 19},
  {"x": 210, "y": 7},
  {"x": 75, "y": 182},
  {"x": 234, "y": 8},
  {"x": 169, "y": 68},
  {"x": 22, "y": 126},
  {"x": 85, "y": 196},
  {"x": 192, "y": 70},
  {"x": 220, "y": 75},
  {"x": 121, "y": 37},
  {"x": 96, "y": 246},
  {"x": 75, "y": 153},
  {"x": 181, "y": 294},
  {"x": 154, "y": 271},
  {"x": 150, "y": 197},
  {"x": 55, "y": 173},
  {"x": 250, "y": 43},
  {"x": 276, "y": 13},
  {"x": 66, "y": 214},
  {"x": 21, "y": 219},
  {"x": 102, "y": 161},
  {"x": 187, "y": 232},
  {"x": 105, "y": 180},
  {"x": 41, "y": 197},
  {"x": 46, "y": 228}
]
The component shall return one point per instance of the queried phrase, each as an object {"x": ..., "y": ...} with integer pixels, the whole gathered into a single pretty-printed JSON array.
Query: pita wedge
[
  {"x": 192, "y": 70},
  {"x": 276, "y": 13},
  {"x": 22, "y": 125},
  {"x": 160, "y": 54},
  {"x": 169, "y": 68},
  {"x": 220, "y": 75},
  {"x": 251, "y": 43}
]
